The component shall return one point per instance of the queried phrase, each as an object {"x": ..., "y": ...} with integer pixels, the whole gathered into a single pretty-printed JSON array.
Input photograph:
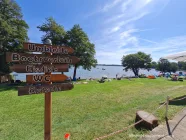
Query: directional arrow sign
[
  {"x": 40, "y": 58},
  {"x": 34, "y": 47},
  {"x": 45, "y": 78},
  {"x": 29, "y": 90},
  {"x": 22, "y": 68}
]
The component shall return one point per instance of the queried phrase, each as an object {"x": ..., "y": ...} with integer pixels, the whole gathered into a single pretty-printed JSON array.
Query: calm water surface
[{"x": 97, "y": 72}]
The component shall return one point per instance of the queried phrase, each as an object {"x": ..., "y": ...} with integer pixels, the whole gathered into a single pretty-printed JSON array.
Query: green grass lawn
[{"x": 88, "y": 111}]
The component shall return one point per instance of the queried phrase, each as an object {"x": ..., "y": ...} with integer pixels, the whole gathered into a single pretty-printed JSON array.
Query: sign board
[
  {"x": 49, "y": 61},
  {"x": 40, "y": 58},
  {"x": 45, "y": 48},
  {"x": 45, "y": 78},
  {"x": 39, "y": 68},
  {"x": 29, "y": 90}
]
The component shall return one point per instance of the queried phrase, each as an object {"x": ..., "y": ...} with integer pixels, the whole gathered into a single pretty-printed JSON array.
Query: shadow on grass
[
  {"x": 5, "y": 87},
  {"x": 179, "y": 101}
]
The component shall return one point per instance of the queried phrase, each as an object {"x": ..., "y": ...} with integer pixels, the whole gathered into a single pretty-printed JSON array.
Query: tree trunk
[
  {"x": 135, "y": 71},
  {"x": 75, "y": 68}
]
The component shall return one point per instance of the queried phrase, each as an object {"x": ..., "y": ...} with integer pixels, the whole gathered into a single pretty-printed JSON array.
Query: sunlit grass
[{"x": 88, "y": 111}]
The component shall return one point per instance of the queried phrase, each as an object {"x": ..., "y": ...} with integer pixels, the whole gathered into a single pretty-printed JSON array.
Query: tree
[
  {"x": 53, "y": 31},
  {"x": 163, "y": 65},
  {"x": 83, "y": 48},
  {"x": 13, "y": 30},
  {"x": 182, "y": 65},
  {"x": 136, "y": 61},
  {"x": 153, "y": 65},
  {"x": 173, "y": 67}
]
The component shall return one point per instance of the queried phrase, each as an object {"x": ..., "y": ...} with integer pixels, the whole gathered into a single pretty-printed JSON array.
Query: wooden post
[
  {"x": 48, "y": 112},
  {"x": 48, "y": 116},
  {"x": 43, "y": 64},
  {"x": 167, "y": 104}
]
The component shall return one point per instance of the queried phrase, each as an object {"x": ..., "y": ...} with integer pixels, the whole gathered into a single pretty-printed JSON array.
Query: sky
[{"x": 116, "y": 27}]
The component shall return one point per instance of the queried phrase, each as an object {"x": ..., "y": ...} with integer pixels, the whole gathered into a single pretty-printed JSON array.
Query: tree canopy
[
  {"x": 53, "y": 31},
  {"x": 83, "y": 48},
  {"x": 182, "y": 65},
  {"x": 154, "y": 65},
  {"x": 136, "y": 61},
  {"x": 75, "y": 38},
  {"x": 173, "y": 67},
  {"x": 165, "y": 66},
  {"x": 13, "y": 30}
]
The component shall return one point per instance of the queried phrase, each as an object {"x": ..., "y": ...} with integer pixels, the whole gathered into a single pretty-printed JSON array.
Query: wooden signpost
[
  {"x": 28, "y": 90},
  {"x": 43, "y": 63},
  {"x": 45, "y": 78},
  {"x": 46, "y": 48},
  {"x": 41, "y": 68},
  {"x": 40, "y": 58}
]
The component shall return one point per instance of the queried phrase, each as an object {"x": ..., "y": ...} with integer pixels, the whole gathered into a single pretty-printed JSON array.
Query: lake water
[{"x": 97, "y": 72}]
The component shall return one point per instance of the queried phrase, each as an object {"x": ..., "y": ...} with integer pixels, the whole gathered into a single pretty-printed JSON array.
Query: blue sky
[{"x": 116, "y": 27}]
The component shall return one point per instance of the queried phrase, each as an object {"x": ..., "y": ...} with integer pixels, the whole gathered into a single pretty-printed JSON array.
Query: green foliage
[
  {"x": 88, "y": 111},
  {"x": 154, "y": 65},
  {"x": 182, "y": 65},
  {"x": 4, "y": 67},
  {"x": 75, "y": 38},
  {"x": 53, "y": 31},
  {"x": 173, "y": 67},
  {"x": 165, "y": 66},
  {"x": 83, "y": 48},
  {"x": 136, "y": 61},
  {"x": 13, "y": 29}
]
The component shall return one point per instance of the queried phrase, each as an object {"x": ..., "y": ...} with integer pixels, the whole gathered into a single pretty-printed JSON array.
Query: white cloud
[
  {"x": 147, "y": 40},
  {"x": 164, "y": 47},
  {"x": 118, "y": 34},
  {"x": 115, "y": 29},
  {"x": 111, "y": 5}
]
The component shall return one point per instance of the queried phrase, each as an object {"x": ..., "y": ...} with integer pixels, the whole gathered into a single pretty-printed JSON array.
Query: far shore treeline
[
  {"x": 140, "y": 60},
  {"x": 13, "y": 32}
]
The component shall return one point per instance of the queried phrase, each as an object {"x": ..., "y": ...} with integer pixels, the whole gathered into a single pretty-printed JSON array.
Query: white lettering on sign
[
  {"x": 40, "y": 59},
  {"x": 36, "y": 69},
  {"x": 40, "y": 78},
  {"x": 35, "y": 90},
  {"x": 15, "y": 57},
  {"x": 47, "y": 78},
  {"x": 50, "y": 49}
]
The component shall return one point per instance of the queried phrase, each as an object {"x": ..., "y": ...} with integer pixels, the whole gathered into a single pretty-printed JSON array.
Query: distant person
[
  {"x": 180, "y": 73},
  {"x": 163, "y": 74}
]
